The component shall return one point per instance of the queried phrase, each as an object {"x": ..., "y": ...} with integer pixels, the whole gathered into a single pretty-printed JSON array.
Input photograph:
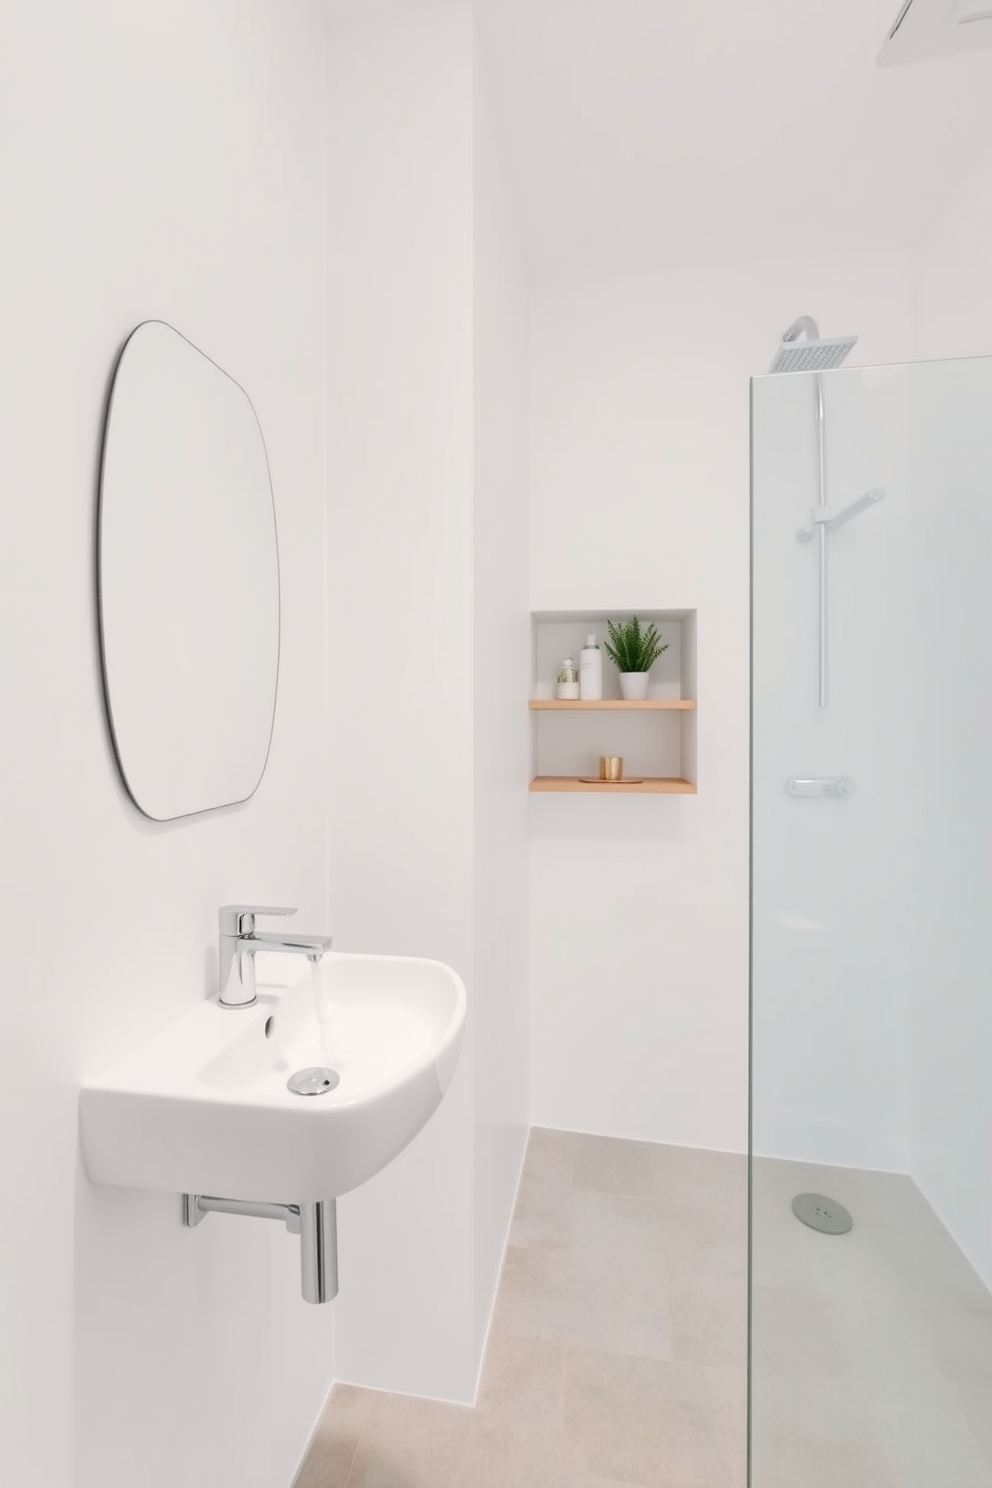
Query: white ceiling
[{"x": 651, "y": 133}]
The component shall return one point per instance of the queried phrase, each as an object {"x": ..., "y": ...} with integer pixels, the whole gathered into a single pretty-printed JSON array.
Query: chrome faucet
[{"x": 239, "y": 943}]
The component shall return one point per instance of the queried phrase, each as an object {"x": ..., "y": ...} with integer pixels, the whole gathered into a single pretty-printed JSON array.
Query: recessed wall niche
[{"x": 657, "y": 737}]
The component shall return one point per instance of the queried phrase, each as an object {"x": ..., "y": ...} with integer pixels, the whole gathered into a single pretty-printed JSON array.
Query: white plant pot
[{"x": 634, "y": 686}]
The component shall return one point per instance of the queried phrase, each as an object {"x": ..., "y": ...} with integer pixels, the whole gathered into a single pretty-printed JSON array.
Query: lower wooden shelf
[{"x": 656, "y": 785}]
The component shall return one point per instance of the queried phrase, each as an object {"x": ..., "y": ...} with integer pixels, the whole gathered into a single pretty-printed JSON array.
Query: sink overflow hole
[
  {"x": 270, "y": 1023},
  {"x": 314, "y": 1081}
]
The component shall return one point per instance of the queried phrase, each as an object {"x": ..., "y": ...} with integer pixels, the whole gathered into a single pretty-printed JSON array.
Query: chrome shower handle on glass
[
  {"x": 820, "y": 785},
  {"x": 239, "y": 943}
]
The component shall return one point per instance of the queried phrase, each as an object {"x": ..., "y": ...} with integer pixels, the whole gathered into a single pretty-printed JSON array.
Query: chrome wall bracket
[{"x": 316, "y": 1225}]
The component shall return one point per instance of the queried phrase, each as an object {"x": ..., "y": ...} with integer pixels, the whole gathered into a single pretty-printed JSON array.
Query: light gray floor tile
[
  {"x": 646, "y": 1421},
  {"x": 715, "y": 1182},
  {"x": 335, "y": 1442},
  {"x": 512, "y": 1435},
  {"x": 700, "y": 1246},
  {"x": 616, "y": 1166},
  {"x": 550, "y": 1154},
  {"x": 618, "y": 1342},
  {"x": 411, "y": 1443},
  {"x": 543, "y": 1213},
  {"x": 601, "y": 1283},
  {"x": 569, "y": 1480},
  {"x": 814, "y": 1431},
  {"x": 707, "y": 1318},
  {"x": 794, "y": 1330},
  {"x": 926, "y": 1437},
  {"x": 872, "y": 1350},
  {"x": 971, "y": 1394}
]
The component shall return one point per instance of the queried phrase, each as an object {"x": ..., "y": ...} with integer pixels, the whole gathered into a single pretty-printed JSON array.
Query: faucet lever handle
[{"x": 239, "y": 919}]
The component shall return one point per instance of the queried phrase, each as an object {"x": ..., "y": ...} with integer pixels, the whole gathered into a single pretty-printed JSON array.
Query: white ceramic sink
[{"x": 203, "y": 1107}]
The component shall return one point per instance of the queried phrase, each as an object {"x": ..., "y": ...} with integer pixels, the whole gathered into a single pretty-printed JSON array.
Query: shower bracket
[
  {"x": 316, "y": 1225},
  {"x": 831, "y": 517}
]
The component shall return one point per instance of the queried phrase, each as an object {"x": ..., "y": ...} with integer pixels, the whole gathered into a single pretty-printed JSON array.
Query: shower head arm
[{"x": 804, "y": 326}]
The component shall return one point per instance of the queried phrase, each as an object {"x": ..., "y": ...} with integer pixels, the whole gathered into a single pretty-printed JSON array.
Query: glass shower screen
[{"x": 871, "y": 947}]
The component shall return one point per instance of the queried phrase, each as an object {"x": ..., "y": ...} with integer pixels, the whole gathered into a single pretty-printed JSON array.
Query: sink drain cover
[
  {"x": 822, "y": 1214},
  {"x": 314, "y": 1081}
]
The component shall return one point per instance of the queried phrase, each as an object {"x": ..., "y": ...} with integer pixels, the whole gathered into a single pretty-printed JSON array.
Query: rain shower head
[{"x": 813, "y": 354}]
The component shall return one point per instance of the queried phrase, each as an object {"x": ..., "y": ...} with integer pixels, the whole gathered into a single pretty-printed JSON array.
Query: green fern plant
[{"x": 632, "y": 649}]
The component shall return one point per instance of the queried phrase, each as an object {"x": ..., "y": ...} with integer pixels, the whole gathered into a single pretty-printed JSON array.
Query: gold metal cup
[{"x": 611, "y": 767}]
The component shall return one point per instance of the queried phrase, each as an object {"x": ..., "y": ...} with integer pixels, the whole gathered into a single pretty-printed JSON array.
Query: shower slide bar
[
  {"x": 802, "y": 350},
  {"x": 826, "y": 518}
]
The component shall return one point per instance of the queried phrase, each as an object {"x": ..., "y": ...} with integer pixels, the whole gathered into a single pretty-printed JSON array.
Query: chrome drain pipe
[
  {"x": 316, "y": 1225},
  {"x": 319, "y": 1251}
]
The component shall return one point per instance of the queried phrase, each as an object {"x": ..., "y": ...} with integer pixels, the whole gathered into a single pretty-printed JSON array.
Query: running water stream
[{"x": 322, "y": 1009}]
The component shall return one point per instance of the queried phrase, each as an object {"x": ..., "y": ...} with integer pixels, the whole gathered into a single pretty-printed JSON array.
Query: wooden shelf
[
  {"x": 656, "y": 735},
  {"x": 621, "y": 704},
  {"x": 650, "y": 785}
]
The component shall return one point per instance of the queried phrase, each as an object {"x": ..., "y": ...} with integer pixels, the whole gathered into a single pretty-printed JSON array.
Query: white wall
[
  {"x": 427, "y": 562},
  {"x": 950, "y": 1006},
  {"x": 160, "y": 160},
  {"x": 399, "y": 307},
  {"x": 639, "y": 490},
  {"x": 500, "y": 673},
  {"x": 952, "y": 1011},
  {"x": 952, "y": 305}
]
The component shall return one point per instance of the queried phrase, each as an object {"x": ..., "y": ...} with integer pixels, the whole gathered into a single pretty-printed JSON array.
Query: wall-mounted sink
[{"x": 204, "y": 1108}]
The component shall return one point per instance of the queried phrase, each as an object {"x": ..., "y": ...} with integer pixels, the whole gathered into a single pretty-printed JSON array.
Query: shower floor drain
[
  {"x": 822, "y": 1214},
  {"x": 314, "y": 1081}
]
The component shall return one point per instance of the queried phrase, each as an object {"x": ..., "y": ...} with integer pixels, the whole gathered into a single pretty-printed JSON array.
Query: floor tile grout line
[
  {"x": 560, "y": 1453},
  {"x": 358, "y": 1442},
  {"x": 573, "y": 1150}
]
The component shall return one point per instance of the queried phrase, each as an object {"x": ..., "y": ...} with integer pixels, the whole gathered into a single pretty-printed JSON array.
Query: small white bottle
[{"x": 591, "y": 671}]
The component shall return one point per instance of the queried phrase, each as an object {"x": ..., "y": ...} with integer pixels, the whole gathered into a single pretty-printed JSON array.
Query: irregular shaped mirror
[{"x": 189, "y": 579}]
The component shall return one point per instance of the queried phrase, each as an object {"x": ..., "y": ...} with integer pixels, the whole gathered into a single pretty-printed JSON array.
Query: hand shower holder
[{"x": 830, "y": 517}]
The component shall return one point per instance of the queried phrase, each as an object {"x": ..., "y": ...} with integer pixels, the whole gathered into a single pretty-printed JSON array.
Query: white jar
[
  {"x": 591, "y": 671},
  {"x": 568, "y": 681}
]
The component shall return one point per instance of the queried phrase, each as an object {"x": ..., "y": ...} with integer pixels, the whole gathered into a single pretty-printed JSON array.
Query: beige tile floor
[
  {"x": 618, "y": 1347},
  {"x": 617, "y": 1352},
  {"x": 872, "y": 1351}
]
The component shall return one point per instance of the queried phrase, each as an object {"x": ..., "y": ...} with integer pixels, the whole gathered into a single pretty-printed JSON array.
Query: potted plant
[{"x": 632, "y": 651}]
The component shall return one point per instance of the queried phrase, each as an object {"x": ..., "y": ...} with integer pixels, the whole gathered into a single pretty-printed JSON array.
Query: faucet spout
[
  {"x": 239, "y": 943},
  {"x": 312, "y": 946}
]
